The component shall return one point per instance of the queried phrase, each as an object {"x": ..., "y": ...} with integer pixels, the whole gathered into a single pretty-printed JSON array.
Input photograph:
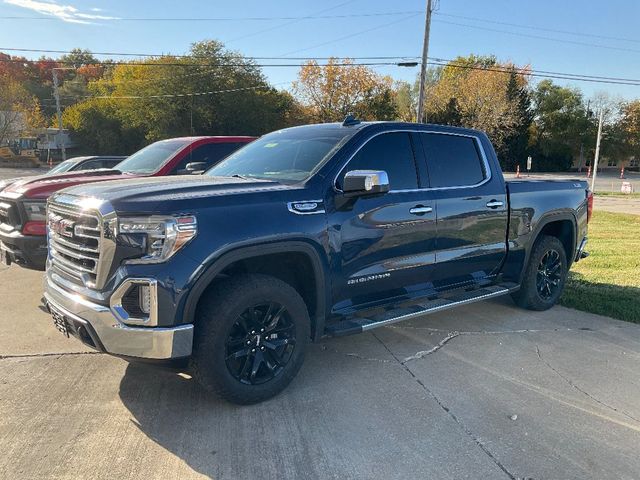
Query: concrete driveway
[{"x": 486, "y": 391}]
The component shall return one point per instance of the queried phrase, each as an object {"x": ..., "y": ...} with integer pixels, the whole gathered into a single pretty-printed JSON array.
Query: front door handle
[
  {"x": 494, "y": 204},
  {"x": 420, "y": 210}
]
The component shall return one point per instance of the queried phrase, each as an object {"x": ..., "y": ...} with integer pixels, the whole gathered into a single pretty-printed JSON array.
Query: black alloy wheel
[
  {"x": 549, "y": 274},
  {"x": 260, "y": 343},
  {"x": 545, "y": 275}
]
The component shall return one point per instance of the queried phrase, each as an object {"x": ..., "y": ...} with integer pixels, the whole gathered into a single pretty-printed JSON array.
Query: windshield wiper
[{"x": 243, "y": 177}]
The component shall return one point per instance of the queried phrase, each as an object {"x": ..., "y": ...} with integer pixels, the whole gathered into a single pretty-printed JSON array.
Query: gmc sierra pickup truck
[
  {"x": 313, "y": 231},
  {"x": 22, "y": 204}
]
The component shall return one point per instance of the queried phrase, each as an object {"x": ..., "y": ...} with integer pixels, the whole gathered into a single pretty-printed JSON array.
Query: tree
[
  {"x": 561, "y": 126},
  {"x": 473, "y": 92},
  {"x": 516, "y": 143},
  {"x": 630, "y": 127},
  {"x": 78, "y": 57},
  {"x": 332, "y": 91},
  {"x": 212, "y": 91},
  {"x": 19, "y": 110},
  {"x": 98, "y": 128}
]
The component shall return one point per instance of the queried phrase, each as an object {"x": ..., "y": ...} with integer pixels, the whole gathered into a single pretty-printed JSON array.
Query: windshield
[
  {"x": 62, "y": 167},
  {"x": 286, "y": 156},
  {"x": 152, "y": 157}
]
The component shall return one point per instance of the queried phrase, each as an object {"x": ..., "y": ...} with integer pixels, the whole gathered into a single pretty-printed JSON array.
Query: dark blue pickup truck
[{"x": 313, "y": 231}]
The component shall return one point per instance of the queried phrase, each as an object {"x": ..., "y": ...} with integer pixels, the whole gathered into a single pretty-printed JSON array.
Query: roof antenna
[{"x": 350, "y": 120}]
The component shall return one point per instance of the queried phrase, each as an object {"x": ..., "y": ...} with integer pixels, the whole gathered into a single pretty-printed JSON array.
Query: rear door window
[{"x": 452, "y": 160}]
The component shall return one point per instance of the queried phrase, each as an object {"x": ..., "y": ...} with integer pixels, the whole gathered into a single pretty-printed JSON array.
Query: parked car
[
  {"x": 22, "y": 204},
  {"x": 73, "y": 165},
  {"x": 319, "y": 230}
]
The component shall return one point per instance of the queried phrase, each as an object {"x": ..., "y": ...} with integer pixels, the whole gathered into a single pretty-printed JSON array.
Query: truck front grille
[
  {"x": 9, "y": 215},
  {"x": 74, "y": 242}
]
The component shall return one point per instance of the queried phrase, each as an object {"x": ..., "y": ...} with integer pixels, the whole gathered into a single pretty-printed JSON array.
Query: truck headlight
[
  {"x": 36, "y": 210},
  {"x": 164, "y": 235}
]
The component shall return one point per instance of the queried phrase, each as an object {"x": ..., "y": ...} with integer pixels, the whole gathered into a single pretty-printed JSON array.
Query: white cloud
[{"x": 67, "y": 13}]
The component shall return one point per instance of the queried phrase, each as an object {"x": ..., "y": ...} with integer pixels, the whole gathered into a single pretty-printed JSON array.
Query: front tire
[
  {"x": 545, "y": 275},
  {"x": 250, "y": 338}
]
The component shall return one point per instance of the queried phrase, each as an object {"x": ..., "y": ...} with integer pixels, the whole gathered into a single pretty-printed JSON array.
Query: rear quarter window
[{"x": 453, "y": 160}]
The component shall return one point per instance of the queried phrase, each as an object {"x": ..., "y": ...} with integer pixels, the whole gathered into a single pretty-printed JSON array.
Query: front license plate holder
[
  {"x": 5, "y": 259},
  {"x": 60, "y": 321}
]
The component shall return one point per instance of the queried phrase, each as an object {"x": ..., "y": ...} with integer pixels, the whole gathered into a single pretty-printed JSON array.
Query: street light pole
[
  {"x": 421, "y": 116},
  {"x": 56, "y": 95},
  {"x": 597, "y": 157}
]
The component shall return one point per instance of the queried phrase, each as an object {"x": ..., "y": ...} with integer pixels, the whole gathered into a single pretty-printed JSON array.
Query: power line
[
  {"x": 180, "y": 95},
  {"x": 534, "y": 73},
  {"x": 351, "y": 35},
  {"x": 224, "y": 19},
  {"x": 132, "y": 54},
  {"x": 221, "y": 65},
  {"x": 542, "y": 29},
  {"x": 286, "y": 24},
  {"x": 540, "y": 37},
  {"x": 435, "y": 61}
]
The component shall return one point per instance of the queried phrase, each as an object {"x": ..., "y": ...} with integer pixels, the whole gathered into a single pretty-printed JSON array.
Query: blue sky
[{"x": 90, "y": 24}]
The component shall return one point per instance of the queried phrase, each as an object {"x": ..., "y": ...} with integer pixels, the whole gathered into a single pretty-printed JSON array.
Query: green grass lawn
[
  {"x": 608, "y": 281},
  {"x": 618, "y": 194}
]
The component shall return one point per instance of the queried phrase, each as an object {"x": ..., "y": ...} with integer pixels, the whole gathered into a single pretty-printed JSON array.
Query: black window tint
[
  {"x": 111, "y": 162},
  {"x": 210, "y": 154},
  {"x": 91, "y": 165},
  {"x": 390, "y": 152},
  {"x": 452, "y": 160}
]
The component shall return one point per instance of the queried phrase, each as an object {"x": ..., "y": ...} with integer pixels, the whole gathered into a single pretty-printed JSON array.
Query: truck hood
[
  {"x": 177, "y": 191},
  {"x": 5, "y": 183},
  {"x": 42, "y": 186}
]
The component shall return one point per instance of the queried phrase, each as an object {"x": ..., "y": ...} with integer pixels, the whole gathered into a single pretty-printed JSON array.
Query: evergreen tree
[{"x": 516, "y": 144}]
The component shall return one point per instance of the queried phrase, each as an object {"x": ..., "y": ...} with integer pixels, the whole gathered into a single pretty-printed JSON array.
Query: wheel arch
[
  {"x": 562, "y": 225},
  {"x": 258, "y": 253}
]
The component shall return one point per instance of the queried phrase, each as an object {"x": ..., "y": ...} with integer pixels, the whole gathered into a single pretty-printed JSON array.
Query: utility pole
[
  {"x": 422, "y": 117},
  {"x": 56, "y": 95},
  {"x": 595, "y": 160}
]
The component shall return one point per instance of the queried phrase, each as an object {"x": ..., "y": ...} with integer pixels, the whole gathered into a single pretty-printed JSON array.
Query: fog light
[
  {"x": 134, "y": 302},
  {"x": 144, "y": 297}
]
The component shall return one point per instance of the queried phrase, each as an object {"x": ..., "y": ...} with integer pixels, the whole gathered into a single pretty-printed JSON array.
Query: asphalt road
[
  {"x": 606, "y": 180},
  {"x": 486, "y": 391},
  {"x": 20, "y": 172}
]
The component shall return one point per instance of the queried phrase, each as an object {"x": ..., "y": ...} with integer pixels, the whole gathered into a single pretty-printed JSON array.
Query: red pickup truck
[{"x": 23, "y": 232}]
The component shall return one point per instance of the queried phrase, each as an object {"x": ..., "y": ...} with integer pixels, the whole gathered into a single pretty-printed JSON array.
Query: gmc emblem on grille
[{"x": 61, "y": 226}]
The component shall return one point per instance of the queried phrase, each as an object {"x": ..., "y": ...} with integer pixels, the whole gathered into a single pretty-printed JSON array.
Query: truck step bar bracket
[{"x": 359, "y": 324}]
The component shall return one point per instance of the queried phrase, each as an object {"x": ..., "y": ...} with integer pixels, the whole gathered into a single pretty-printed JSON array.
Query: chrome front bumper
[{"x": 114, "y": 337}]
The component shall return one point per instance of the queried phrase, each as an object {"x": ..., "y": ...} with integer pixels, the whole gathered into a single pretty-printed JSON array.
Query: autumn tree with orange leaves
[{"x": 330, "y": 92}]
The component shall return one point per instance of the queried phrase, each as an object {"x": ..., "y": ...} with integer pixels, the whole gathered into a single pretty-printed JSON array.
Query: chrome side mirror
[
  {"x": 194, "y": 168},
  {"x": 365, "y": 182}
]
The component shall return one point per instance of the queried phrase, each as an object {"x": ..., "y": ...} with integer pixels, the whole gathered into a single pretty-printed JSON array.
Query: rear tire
[
  {"x": 250, "y": 338},
  {"x": 545, "y": 275}
]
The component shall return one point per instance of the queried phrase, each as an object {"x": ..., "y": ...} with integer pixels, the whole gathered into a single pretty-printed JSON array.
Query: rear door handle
[
  {"x": 420, "y": 210},
  {"x": 494, "y": 204}
]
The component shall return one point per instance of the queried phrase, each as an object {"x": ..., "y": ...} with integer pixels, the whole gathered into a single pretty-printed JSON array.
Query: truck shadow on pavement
[
  {"x": 362, "y": 407},
  {"x": 319, "y": 427},
  {"x": 221, "y": 440}
]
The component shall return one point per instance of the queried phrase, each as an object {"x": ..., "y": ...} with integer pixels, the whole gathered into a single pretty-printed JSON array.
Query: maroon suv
[{"x": 23, "y": 230}]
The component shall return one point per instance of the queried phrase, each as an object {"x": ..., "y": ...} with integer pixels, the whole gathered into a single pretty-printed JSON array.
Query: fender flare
[
  {"x": 242, "y": 253},
  {"x": 545, "y": 220}
]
